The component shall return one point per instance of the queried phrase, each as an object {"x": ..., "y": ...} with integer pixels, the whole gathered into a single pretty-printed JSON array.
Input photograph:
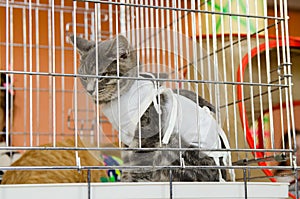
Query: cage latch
[
  {"x": 282, "y": 73},
  {"x": 294, "y": 163},
  {"x": 78, "y": 163},
  {"x": 182, "y": 163}
]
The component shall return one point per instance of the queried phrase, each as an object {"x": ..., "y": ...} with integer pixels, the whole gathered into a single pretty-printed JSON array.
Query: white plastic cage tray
[{"x": 182, "y": 190}]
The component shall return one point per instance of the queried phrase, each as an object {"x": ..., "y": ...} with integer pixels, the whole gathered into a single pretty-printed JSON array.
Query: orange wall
[
  {"x": 42, "y": 114},
  {"x": 294, "y": 23},
  {"x": 294, "y": 29}
]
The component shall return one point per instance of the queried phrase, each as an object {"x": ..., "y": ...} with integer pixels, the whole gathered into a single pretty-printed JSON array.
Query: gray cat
[{"x": 152, "y": 125}]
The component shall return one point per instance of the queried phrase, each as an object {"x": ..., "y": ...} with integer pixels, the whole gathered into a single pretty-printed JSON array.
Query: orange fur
[{"x": 54, "y": 158}]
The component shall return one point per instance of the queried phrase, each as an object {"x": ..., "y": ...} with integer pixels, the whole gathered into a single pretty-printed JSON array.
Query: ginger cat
[{"x": 54, "y": 158}]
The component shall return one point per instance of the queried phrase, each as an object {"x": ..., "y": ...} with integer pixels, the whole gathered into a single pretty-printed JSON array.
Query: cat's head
[{"x": 108, "y": 52}]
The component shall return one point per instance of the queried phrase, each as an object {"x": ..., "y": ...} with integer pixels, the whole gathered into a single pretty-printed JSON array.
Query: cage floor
[{"x": 183, "y": 190}]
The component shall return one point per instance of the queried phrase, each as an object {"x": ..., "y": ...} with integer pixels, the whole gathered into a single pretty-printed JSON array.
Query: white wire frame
[{"x": 177, "y": 37}]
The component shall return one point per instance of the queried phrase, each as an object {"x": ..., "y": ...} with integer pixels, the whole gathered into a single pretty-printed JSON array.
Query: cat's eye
[
  {"x": 110, "y": 73},
  {"x": 105, "y": 74},
  {"x": 124, "y": 56}
]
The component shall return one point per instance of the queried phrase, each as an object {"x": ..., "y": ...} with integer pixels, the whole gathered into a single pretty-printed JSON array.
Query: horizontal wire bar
[
  {"x": 141, "y": 149},
  {"x": 57, "y": 8},
  {"x": 180, "y": 9},
  {"x": 278, "y": 158},
  {"x": 139, "y": 78},
  {"x": 37, "y": 89},
  {"x": 262, "y": 177},
  {"x": 248, "y": 98},
  {"x": 35, "y": 46},
  {"x": 141, "y": 167}
]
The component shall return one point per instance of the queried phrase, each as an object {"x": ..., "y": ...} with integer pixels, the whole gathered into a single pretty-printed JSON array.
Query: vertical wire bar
[
  {"x": 195, "y": 61},
  {"x": 241, "y": 72},
  {"x": 279, "y": 77},
  {"x": 163, "y": 47},
  {"x": 245, "y": 183},
  {"x": 233, "y": 80},
  {"x": 50, "y": 70},
  {"x": 169, "y": 42},
  {"x": 268, "y": 74},
  {"x": 62, "y": 43},
  {"x": 11, "y": 37},
  {"x": 95, "y": 133},
  {"x": 128, "y": 20},
  {"x": 86, "y": 36},
  {"x": 152, "y": 38},
  {"x": 163, "y": 40},
  {"x": 158, "y": 57},
  {"x": 175, "y": 43},
  {"x": 259, "y": 68},
  {"x": 297, "y": 183},
  {"x": 290, "y": 146},
  {"x": 110, "y": 29},
  {"x": 137, "y": 20},
  {"x": 96, "y": 37},
  {"x": 147, "y": 58},
  {"x": 30, "y": 76},
  {"x": 171, "y": 183},
  {"x": 110, "y": 19},
  {"x": 224, "y": 70},
  {"x": 97, "y": 22},
  {"x": 75, "y": 73},
  {"x": 89, "y": 183},
  {"x": 187, "y": 40},
  {"x": 288, "y": 80},
  {"x": 208, "y": 50},
  {"x": 142, "y": 31},
  {"x": 201, "y": 68},
  {"x": 180, "y": 45},
  {"x": 93, "y": 26},
  {"x": 241, "y": 75},
  {"x": 37, "y": 60},
  {"x": 176, "y": 68},
  {"x": 216, "y": 68},
  {"x": 6, "y": 63},
  {"x": 122, "y": 17},
  {"x": 25, "y": 77},
  {"x": 118, "y": 74},
  {"x": 53, "y": 78},
  {"x": 288, "y": 60},
  {"x": 215, "y": 63},
  {"x": 249, "y": 48},
  {"x": 133, "y": 17}
]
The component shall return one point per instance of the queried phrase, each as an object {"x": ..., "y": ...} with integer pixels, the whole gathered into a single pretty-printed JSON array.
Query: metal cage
[{"x": 236, "y": 54}]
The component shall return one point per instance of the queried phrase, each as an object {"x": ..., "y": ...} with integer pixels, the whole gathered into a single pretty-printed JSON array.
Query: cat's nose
[{"x": 90, "y": 88}]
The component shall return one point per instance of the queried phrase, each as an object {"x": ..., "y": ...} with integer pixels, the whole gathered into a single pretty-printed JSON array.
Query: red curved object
[{"x": 294, "y": 42}]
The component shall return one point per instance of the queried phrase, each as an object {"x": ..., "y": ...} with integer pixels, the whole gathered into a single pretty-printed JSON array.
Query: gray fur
[
  {"x": 192, "y": 96},
  {"x": 107, "y": 90},
  {"x": 107, "y": 66}
]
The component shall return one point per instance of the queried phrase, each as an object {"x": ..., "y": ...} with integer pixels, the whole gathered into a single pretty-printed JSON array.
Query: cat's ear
[
  {"x": 119, "y": 44},
  {"x": 82, "y": 44}
]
